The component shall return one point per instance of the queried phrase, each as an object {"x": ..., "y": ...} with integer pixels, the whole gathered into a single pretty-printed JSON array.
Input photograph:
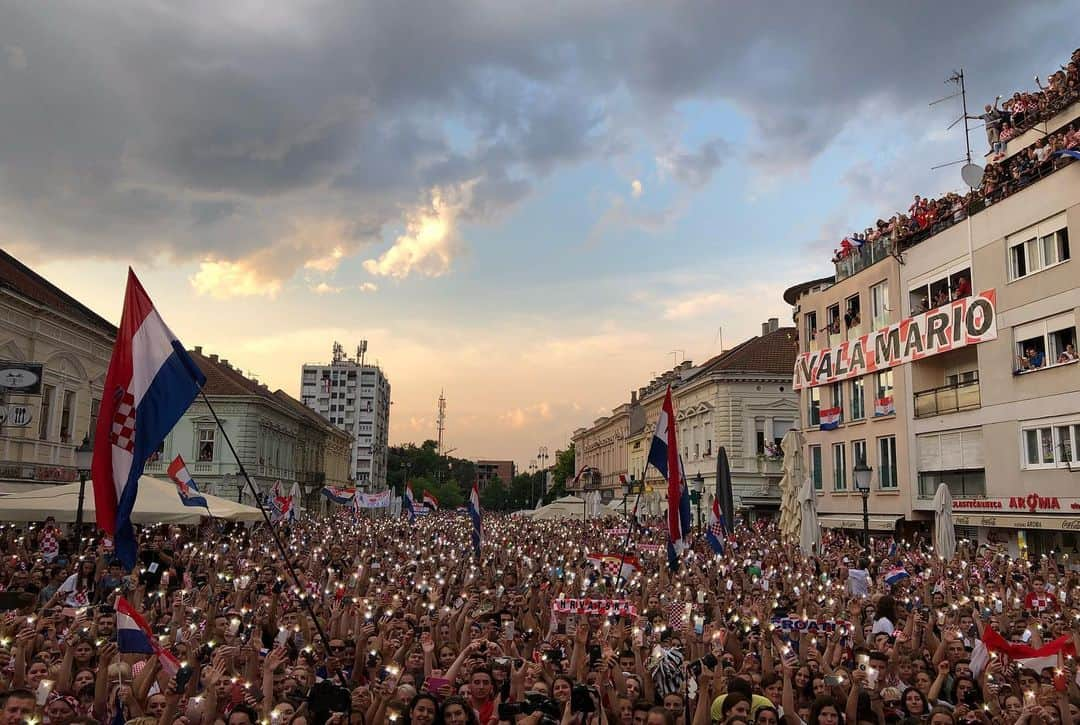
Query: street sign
[
  {"x": 21, "y": 378},
  {"x": 17, "y": 416}
]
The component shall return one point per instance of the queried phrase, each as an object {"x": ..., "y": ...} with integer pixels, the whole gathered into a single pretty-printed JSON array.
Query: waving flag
[
  {"x": 133, "y": 635},
  {"x": 830, "y": 418},
  {"x": 664, "y": 456},
  {"x": 615, "y": 565},
  {"x": 151, "y": 381},
  {"x": 431, "y": 501},
  {"x": 896, "y": 575},
  {"x": 473, "y": 506},
  {"x": 185, "y": 486},
  {"x": 1071, "y": 153},
  {"x": 339, "y": 495},
  {"x": 409, "y": 500},
  {"x": 884, "y": 406},
  {"x": 1035, "y": 658},
  {"x": 714, "y": 535}
]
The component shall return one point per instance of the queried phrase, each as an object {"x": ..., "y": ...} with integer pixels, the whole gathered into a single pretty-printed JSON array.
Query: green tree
[
  {"x": 560, "y": 473},
  {"x": 423, "y": 461},
  {"x": 494, "y": 496}
]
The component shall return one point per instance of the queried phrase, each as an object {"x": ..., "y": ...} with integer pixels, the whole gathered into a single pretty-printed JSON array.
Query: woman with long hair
[
  {"x": 457, "y": 711},
  {"x": 423, "y": 710}
]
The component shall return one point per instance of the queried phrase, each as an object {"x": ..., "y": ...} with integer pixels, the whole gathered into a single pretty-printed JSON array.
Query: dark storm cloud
[{"x": 132, "y": 122}]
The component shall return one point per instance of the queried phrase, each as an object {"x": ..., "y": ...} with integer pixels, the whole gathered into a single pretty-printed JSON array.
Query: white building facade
[{"x": 355, "y": 398}]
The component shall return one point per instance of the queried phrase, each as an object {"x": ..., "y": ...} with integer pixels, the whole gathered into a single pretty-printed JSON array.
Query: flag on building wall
[
  {"x": 884, "y": 406},
  {"x": 830, "y": 418}
]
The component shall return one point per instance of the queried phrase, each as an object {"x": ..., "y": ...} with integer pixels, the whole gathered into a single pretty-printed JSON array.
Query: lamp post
[
  {"x": 862, "y": 473},
  {"x": 84, "y": 458},
  {"x": 695, "y": 496}
]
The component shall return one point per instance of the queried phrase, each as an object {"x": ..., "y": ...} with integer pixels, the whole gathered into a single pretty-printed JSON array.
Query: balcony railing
[
  {"x": 863, "y": 257},
  {"x": 948, "y": 399}
]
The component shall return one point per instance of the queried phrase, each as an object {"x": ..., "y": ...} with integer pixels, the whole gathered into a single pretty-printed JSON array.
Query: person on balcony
[{"x": 963, "y": 288}]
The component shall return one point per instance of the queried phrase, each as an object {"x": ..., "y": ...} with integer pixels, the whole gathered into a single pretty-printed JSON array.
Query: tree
[
  {"x": 522, "y": 489},
  {"x": 561, "y": 472},
  {"x": 423, "y": 461},
  {"x": 493, "y": 497}
]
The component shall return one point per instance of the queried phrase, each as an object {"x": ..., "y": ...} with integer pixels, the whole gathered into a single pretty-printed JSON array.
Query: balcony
[
  {"x": 861, "y": 258},
  {"x": 948, "y": 399}
]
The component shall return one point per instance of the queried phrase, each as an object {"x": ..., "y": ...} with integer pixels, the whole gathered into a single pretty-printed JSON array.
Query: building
[
  {"x": 40, "y": 323},
  {"x": 740, "y": 399},
  {"x": 486, "y": 471},
  {"x": 984, "y": 385},
  {"x": 276, "y": 438},
  {"x": 356, "y": 398}
]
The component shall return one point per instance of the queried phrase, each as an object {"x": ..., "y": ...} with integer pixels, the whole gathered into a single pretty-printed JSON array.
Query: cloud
[
  {"x": 224, "y": 279},
  {"x": 636, "y": 188},
  {"x": 521, "y": 417},
  {"x": 430, "y": 242},
  {"x": 367, "y": 287},
  {"x": 322, "y": 288},
  {"x": 694, "y": 168}
]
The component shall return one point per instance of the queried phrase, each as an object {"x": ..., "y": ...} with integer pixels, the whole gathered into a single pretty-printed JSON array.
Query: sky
[{"x": 534, "y": 207}]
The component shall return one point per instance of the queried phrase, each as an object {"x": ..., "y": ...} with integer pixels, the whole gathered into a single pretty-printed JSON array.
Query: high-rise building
[{"x": 355, "y": 397}]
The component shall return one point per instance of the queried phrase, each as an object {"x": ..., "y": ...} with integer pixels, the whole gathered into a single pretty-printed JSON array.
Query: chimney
[
  {"x": 213, "y": 357},
  {"x": 774, "y": 324},
  {"x": 764, "y": 329},
  {"x": 225, "y": 362},
  {"x": 198, "y": 349},
  {"x": 633, "y": 397}
]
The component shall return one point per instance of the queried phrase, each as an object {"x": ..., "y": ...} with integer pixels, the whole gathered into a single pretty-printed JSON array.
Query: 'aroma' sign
[{"x": 967, "y": 321}]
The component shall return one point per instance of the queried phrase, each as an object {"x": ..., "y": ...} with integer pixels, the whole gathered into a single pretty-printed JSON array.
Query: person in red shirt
[
  {"x": 481, "y": 693},
  {"x": 1040, "y": 600},
  {"x": 963, "y": 288}
]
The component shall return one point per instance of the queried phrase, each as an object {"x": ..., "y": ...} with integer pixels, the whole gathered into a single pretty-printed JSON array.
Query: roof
[
  {"x": 20, "y": 279},
  {"x": 791, "y": 294},
  {"x": 772, "y": 353}
]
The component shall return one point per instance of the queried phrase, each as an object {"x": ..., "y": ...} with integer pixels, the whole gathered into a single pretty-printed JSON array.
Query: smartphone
[
  {"x": 863, "y": 662},
  {"x": 571, "y": 625},
  {"x": 434, "y": 684},
  {"x": 183, "y": 677},
  {"x": 833, "y": 680},
  {"x": 43, "y": 689},
  {"x": 701, "y": 596},
  {"x": 699, "y": 625},
  {"x": 508, "y": 630}
]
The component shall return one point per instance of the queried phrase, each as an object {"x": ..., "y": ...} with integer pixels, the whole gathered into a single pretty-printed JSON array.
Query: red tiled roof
[
  {"x": 772, "y": 353},
  {"x": 20, "y": 279}
]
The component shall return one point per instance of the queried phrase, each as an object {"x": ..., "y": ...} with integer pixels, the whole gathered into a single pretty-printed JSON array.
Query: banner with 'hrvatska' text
[{"x": 963, "y": 322}]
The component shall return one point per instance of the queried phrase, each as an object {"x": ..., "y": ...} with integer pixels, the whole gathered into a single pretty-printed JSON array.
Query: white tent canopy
[
  {"x": 567, "y": 507},
  {"x": 158, "y": 502}
]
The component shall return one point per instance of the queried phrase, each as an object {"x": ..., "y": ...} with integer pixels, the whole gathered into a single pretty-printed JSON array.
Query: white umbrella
[
  {"x": 944, "y": 533},
  {"x": 790, "y": 505},
  {"x": 809, "y": 530}
]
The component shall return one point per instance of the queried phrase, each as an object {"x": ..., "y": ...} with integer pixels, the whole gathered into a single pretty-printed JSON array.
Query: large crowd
[
  {"x": 1002, "y": 176},
  {"x": 392, "y": 621}
]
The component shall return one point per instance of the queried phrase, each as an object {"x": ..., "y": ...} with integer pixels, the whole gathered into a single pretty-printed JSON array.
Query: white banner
[
  {"x": 373, "y": 500},
  {"x": 966, "y": 321}
]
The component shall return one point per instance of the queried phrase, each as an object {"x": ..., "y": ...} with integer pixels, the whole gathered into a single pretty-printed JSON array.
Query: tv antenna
[{"x": 970, "y": 172}]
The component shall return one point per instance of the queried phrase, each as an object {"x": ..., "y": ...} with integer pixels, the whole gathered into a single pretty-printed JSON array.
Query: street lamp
[
  {"x": 84, "y": 458},
  {"x": 862, "y": 473},
  {"x": 695, "y": 496}
]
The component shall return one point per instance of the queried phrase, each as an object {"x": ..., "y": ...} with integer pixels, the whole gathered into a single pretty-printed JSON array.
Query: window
[
  {"x": 1037, "y": 248},
  {"x": 832, "y": 316},
  {"x": 815, "y": 466},
  {"x": 814, "y": 413},
  {"x": 955, "y": 458},
  {"x": 883, "y": 395},
  {"x": 858, "y": 399},
  {"x": 886, "y": 462},
  {"x": 708, "y": 447},
  {"x": 67, "y": 413},
  {"x": 205, "y": 449},
  {"x": 839, "y": 462},
  {"x": 1045, "y": 343},
  {"x": 879, "y": 304},
  {"x": 853, "y": 316},
  {"x": 95, "y": 410},
  {"x": 697, "y": 451},
  {"x": 836, "y": 395},
  {"x": 858, "y": 453},
  {"x": 47, "y": 392},
  {"x": 811, "y": 330},
  {"x": 1051, "y": 445}
]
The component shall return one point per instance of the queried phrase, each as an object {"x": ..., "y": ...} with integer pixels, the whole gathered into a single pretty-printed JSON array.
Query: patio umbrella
[
  {"x": 809, "y": 530},
  {"x": 944, "y": 531},
  {"x": 723, "y": 490},
  {"x": 790, "y": 506}
]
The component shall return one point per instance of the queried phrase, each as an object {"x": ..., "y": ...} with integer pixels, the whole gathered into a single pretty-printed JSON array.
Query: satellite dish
[{"x": 972, "y": 174}]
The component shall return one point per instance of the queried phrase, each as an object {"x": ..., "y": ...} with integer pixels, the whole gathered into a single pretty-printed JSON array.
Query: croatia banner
[
  {"x": 884, "y": 406},
  {"x": 134, "y": 636},
  {"x": 896, "y": 575},
  {"x": 830, "y": 418},
  {"x": 149, "y": 385},
  {"x": 615, "y": 565},
  {"x": 339, "y": 495},
  {"x": 1024, "y": 655},
  {"x": 431, "y": 501}
]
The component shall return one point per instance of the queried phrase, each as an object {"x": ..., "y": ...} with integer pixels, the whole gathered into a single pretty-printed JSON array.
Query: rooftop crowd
[
  {"x": 1003, "y": 176},
  {"x": 412, "y": 628}
]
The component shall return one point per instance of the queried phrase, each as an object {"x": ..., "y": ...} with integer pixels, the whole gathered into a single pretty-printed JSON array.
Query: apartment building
[{"x": 355, "y": 397}]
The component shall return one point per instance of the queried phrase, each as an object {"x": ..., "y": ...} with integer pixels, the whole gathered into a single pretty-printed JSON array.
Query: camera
[
  {"x": 534, "y": 702},
  {"x": 581, "y": 699},
  {"x": 708, "y": 660}
]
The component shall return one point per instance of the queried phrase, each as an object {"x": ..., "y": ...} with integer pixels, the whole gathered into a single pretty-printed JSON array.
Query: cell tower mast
[{"x": 441, "y": 420}]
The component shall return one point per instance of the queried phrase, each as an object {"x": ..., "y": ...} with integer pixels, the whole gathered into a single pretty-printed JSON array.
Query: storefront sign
[
  {"x": 1032, "y": 503},
  {"x": 21, "y": 378},
  {"x": 1006, "y": 521},
  {"x": 967, "y": 321}
]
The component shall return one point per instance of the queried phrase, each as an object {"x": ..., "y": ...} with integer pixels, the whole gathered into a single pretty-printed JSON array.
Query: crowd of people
[
  {"x": 1002, "y": 176},
  {"x": 392, "y": 621}
]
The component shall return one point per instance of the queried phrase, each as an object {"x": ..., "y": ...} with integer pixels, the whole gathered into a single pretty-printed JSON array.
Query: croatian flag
[
  {"x": 473, "y": 507},
  {"x": 664, "y": 456},
  {"x": 409, "y": 500},
  {"x": 133, "y": 635},
  {"x": 616, "y": 565},
  {"x": 1071, "y": 153},
  {"x": 431, "y": 501},
  {"x": 151, "y": 381},
  {"x": 896, "y": 575},
  {"x": 884, "y": 406},
  {"x": 339, "y": 495},
  {"x": 830, "y": 418},
  {"x": 185, "y": 485},
  {"x": 714, "y": 535},
  {"x": 1024, "y": 655}
]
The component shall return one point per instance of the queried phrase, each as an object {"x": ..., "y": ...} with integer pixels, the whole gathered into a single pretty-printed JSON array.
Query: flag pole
[
  {"x": 629, "y": 529},
  {"x": 304, "y": 599}
]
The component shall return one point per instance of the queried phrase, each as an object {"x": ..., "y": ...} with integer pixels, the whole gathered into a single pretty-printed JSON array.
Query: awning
[
  {"x": 1018, "y": 521},
  {"x": 879, "y": 522}
]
